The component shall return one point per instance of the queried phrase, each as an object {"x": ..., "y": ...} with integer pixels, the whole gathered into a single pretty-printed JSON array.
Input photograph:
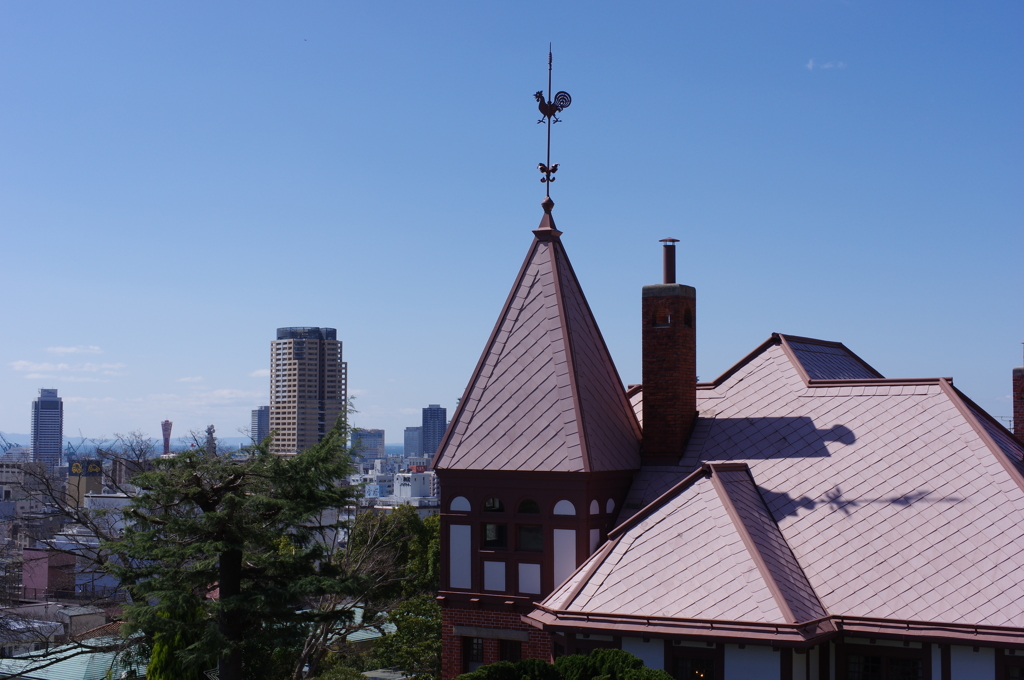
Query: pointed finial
[
  {"x": 549, "y": 109},
  {"x": 547, "y": 229}
]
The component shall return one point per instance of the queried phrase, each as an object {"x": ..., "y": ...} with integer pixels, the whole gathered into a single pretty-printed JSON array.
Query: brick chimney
[
  {"x": 1018, "y": 402},
  {"x": 669, "y": 363}
]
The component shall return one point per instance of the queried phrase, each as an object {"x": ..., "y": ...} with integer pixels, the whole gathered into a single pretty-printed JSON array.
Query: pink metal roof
[
  {"x": 895, "y": 499},
  {"x": 652, "y": 572},
  {"x": 545, "y": 395}
]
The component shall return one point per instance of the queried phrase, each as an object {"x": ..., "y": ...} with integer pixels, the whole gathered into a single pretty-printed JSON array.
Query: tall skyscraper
[
  {"x": 413, "y": 441},
  {"x": 47, "y": 428},
  {"x": 260, "y": 427},
  {"x": 165, "y": 428},
  {"x": 435, "y": 420},
  {"x": 308, "y": 386},
  {"x": 368, "y": 443}
]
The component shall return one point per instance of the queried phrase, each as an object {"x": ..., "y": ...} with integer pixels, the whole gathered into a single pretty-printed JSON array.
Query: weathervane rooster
[
  {"x": 549, "y": 110},
  {"x": 552, "y": 108}
]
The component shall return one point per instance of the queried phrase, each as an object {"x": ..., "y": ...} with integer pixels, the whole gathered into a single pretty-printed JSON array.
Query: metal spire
[{"x": 549, "y": 109}]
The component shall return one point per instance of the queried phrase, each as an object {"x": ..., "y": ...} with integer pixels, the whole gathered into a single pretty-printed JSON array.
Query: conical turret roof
[{"x": 545, "y": 395}]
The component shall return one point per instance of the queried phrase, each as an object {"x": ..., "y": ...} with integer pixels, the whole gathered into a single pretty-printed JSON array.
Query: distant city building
[
  {"x": 368, "y": 443},
  {"x": 47, "y": 428},
  {"x": 260, "y": 427},
  {"x": 413, "y": 441},
  {"x": 413, "y": 484},
  {"x": 165, "y": 427},
  {"x": 308, "y": 386},
  {"x": 85, "y": 476},
  {"x": 435, "y": 420}
]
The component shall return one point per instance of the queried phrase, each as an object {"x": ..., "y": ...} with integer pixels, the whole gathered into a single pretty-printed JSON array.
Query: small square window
[
  {"x": 495, "y": 536},
  {"x": 531, "y": 538}
]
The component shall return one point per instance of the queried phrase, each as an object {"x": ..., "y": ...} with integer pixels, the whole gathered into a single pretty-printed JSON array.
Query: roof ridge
[
  {"x": 773, "y": 339},
  {"x": 562, "y": 261},
  {"x": 456, "y": 417},
  {"x": 755, "y": 551},
  {"x": 969, "y": 410}
]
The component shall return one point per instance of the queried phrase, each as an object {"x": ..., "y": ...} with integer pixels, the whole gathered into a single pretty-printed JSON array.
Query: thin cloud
[
  {"x": 37, "y": 367},
  {"x": 63, "y": 378},
  {"x": 260, "y": 373},
  {"x": 77, "y": 349},
  {"x": 105, "y": 368},
  {"x": 192, "y": 379},
  {"x": 810, "y": 65},
  {"x": 47, "y": 367}
]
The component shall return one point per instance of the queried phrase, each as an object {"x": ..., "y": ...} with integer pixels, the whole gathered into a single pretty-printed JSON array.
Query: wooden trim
[
  {"x": 945, "y": 662},
  {"x": 825, "y": 661},
  {"x": 793, "y": 359},
  {"x": 822, "y": 343},
  {"x": 804, "y": 633},
  {"x": 785, "y": 664}
]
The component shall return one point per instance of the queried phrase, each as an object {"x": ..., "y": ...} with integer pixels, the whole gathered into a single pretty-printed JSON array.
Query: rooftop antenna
[{"x": 549, "y": 110}]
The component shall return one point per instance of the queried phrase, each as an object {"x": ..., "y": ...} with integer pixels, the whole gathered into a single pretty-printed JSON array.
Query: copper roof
[
  {"x": 872, "y": 501},
  {"x": 545, "y": 395}
]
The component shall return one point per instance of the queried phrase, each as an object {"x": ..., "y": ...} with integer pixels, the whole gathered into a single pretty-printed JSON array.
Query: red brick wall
[
  {"x": 669, "y": 368},
  {"x": 538, "y": 646},
  {"x": 1018, "y": 402}
]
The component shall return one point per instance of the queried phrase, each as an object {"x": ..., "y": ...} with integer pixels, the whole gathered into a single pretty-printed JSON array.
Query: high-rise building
[
  {"x": 260, "y": 428},
  {"x": 413, "y": 441},
  {"x": 165, "y": 428},
  {"x": 435, "y": 420},
  {"x": 368, "y": 443},
  {"x": 47, "y": 428},
  {"x": 308, "y": 386}
]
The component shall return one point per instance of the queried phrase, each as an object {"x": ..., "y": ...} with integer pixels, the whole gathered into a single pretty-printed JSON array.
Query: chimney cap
[{"x": 669, "y": 240}]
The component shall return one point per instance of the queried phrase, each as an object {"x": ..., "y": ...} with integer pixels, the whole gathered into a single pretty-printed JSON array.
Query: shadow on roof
[
  {"x": 726, "y": 439},
  {"x": 782, "y": 504}
]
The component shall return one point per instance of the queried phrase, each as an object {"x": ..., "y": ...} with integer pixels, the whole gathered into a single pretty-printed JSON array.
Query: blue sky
[{"x": 179, "y": 179}]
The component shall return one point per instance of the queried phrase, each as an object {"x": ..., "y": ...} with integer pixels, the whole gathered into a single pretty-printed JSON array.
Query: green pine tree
[{"x": 220, "y": 554}]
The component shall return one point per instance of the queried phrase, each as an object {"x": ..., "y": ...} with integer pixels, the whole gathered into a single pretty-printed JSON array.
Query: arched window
[
  {"x": 565, "y": 508},
  {"x": 609, "y": 506},
  {"x": 595, "y": 509},
  {"x": 528, "y": 506},
  {"x": 493, "y": 504},
  {"x": 460, "y": 504}
]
